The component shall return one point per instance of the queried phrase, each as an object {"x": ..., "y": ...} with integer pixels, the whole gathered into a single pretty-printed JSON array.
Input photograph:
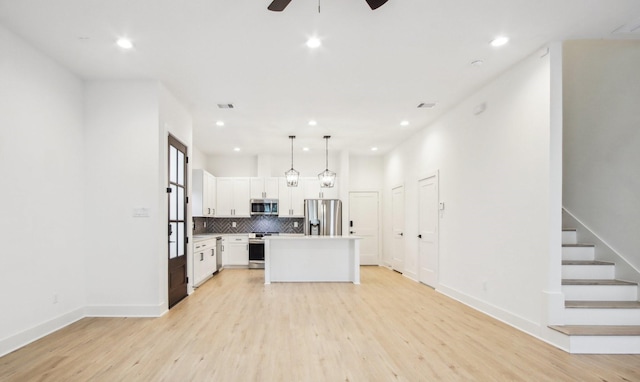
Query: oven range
[{"x": 256, "y": 249}]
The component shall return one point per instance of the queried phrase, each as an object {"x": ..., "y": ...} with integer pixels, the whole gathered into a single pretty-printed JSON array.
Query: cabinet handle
[
  {"x": 202, "y": 256},
  {"x": 222, "y": 249},
  {"x": 214, "y": 212}
]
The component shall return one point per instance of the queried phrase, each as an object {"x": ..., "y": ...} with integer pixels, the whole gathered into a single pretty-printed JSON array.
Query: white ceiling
[{"x": 371, "y": 72}]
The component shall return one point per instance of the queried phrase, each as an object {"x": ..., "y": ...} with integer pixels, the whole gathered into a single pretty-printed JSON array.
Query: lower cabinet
[
  {"x": 235, "y": 250},
  {"x": 204, "y": 261}
]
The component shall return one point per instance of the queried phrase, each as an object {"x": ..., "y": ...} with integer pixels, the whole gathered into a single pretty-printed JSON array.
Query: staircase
[{"x": 602, "y": 314}]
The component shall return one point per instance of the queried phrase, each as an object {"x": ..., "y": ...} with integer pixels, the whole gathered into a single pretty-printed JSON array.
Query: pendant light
[
  {"x": 292, "y": 175},
  {"x": 327, "y": 178}
]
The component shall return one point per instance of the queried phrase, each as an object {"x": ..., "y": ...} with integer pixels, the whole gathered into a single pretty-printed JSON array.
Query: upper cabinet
[
  {"x": 203, "y": 194},
  {"x": 291, "y": 201},
  {"x": 312, "y": 189},
  {"x": 264, "y": 188},
  {"x": 233, "y": 196}
]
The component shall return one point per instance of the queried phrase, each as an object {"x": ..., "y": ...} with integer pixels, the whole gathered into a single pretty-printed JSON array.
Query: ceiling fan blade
[
  {"x": 374, "y": 4},
  {"x": 280, "y": 5}
]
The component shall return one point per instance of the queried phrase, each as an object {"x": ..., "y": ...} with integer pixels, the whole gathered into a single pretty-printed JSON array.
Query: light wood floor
[{"x": 234, "y": 328}]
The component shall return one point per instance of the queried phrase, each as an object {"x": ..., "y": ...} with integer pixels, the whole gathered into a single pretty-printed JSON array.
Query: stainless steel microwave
[{"x": 264, "y": 207}]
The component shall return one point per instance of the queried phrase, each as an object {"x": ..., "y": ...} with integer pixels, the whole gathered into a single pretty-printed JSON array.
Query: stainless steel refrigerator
[{"x": 323, "y": 217}]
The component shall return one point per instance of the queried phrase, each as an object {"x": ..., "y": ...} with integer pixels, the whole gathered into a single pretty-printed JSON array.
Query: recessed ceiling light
[
  {"x": 313, "y": 122},
  {"x": 374, "y": 149},
  {"x": 124, "y": 43},
  {"x": 236, "y": 149},
  {"x": 404, "y": 123},
  {"x": 305, "y": 149},
  {"x": 313, "y": 42},
  {"x": 220, "y": 123},
  {"x": 499, "y": 41}
]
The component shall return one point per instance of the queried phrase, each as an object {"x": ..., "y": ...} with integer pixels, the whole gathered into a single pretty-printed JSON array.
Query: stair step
[
  {"x": 602, "y": 304},
  {"x": 578, "y": 252},
  {"x": 596, "y": 282},
  {"x": 586, "y": 262},
  {"x": 569, "y": 236},
  {"x": 598, "y": 330}
]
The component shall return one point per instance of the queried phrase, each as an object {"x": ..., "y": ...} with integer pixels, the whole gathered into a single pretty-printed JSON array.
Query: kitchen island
[{"x": 312, "y": 259}]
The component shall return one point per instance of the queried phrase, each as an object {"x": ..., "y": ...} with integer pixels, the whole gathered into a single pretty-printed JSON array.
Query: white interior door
[
  {"x": 428, "y": 229},
  {"x": 363, "y": 222},
  {"x": 397, "y": 206}
]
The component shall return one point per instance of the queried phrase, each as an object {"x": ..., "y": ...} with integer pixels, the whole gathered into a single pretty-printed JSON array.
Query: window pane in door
[
  {"x": 180, "y": 203},
  {"x": 173, "y": 240},
  {"x": 181, "y": 240},
  {"x": 173, "y": 164},
  {"x": 180, "y": 168},
  {"x": 174, "y": 201}
]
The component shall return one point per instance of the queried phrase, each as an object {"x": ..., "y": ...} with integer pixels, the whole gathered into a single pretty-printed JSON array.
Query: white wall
[
  {"x": 494, "y": 172},
  {"x": 122, "y": 165},
  {"x": 602, "y": 141},
  {"x": 366, "y": 173},
  {"x": 41, "y": 196}
]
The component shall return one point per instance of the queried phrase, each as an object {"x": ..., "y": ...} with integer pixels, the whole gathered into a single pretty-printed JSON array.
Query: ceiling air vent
[
  {"x": 225, "y": 106},
  {"x": 632, "y": 27},
  {"x": 426, "y": 105}
]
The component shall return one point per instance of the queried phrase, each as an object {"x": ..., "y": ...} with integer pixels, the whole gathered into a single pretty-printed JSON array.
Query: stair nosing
[
  {"x": 587, "y": 262},
  {"x": 598, "y": 282},
  {"x": 579, "y": 304},
  {"x": 578, "y": 245},
  {"x": 569, "y": 230},
  {"x": 597, "y": 330}
]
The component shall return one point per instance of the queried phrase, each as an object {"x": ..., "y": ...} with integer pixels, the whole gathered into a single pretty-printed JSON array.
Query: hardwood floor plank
[{"x": 235, "y": 328}]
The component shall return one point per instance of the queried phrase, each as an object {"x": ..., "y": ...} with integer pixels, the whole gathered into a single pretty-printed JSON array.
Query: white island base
[{"x": 312, "y": 259}]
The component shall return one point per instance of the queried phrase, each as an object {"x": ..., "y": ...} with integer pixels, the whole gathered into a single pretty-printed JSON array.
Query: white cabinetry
[
  {"x": 312, "y": 189},
  {"x": 291, "y": 201},
  {"x": 203, "y": 194},
  {"x": 233, "y": 195},
  {"x": 204, "y": 261},
  {"x": 264, "y": 188},
  {"x": 235, "y": 250}
]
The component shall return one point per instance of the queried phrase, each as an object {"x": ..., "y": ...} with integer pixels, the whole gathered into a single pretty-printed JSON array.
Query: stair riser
[
  {"x": 604, "y": 345},
  {"x": 600, "y": 292},
  {"x": 578, "y": 253},
  {"x": 584, "y": 316},
  {"x": 590, "y": 272},
  {"x": 569, "y": 237}
]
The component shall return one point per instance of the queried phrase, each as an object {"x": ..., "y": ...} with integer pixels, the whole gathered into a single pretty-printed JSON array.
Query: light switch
[{"x": 441, "y": 206}]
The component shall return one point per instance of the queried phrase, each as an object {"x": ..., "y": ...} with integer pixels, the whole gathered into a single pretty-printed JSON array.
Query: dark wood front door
[{"x": 177, "y": 219}]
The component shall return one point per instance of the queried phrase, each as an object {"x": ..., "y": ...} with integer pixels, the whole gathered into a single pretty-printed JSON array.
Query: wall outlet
[
  {"x": 295, "y": 224},
  {"x": 205, "y": 224},
  {"x": 234, "y": 224}
]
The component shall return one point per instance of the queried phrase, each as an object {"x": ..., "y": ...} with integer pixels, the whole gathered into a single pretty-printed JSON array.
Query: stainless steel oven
[{"x": 256, "y": 249}]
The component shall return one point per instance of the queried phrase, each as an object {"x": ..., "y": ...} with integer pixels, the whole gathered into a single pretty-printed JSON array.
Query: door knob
[
  {"x": 401, "y": 234},
  {"x": 419, "y": 236}
]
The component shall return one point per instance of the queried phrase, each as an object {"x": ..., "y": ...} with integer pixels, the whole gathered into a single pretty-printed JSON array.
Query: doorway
[
  {"x": 397, "y": 227},
  {"x": 177, "y": 221},
  {"x": 428, "y": 230},
  {"x": 364, "y": 222}
]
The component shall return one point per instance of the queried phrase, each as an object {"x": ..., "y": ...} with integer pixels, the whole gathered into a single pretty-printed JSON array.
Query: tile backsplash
[{"x": 244, "y": 225}]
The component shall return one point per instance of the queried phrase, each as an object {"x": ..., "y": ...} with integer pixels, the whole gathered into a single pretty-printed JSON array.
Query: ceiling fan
[{"x": 280, "y": 5}]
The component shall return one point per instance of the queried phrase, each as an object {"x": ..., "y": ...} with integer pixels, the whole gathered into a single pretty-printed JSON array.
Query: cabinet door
[
  {"x": 257, "y": 188},
  {"x": 311, "y": 188},
  {"x": 238, "y": 254},
  {"x": 297, "y": 201},
  {"x": 284, "y": 200},
  {"x": 197, "y": 193},
  {"x": 241, "y": 197},
  {"x": 225, "y": 197},
  {"x": 211, "y": 196},
  {"x": 212, "y": 262},
  {"x": 271, "y": 188}
]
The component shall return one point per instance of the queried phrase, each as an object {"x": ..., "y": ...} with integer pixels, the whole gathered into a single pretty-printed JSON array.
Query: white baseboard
[
  {"x": 16, "y": 341},
  {"x": 125, "y": 310}
]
